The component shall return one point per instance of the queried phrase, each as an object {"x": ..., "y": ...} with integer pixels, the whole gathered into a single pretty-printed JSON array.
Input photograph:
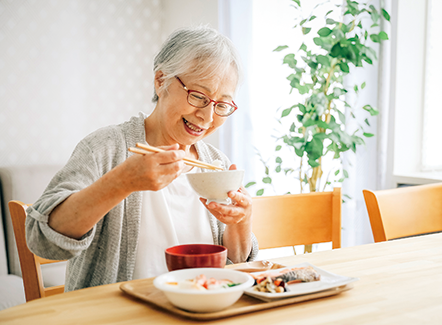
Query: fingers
[
  {"x": 154, "y": 171},
  {"x": 171, "y": 147},
  {"x": 228, "y": 214},
  {"x": 241, "y": 197}
]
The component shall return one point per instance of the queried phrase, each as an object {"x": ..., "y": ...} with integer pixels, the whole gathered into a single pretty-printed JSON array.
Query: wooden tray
[{"x": 145, "y": 290}]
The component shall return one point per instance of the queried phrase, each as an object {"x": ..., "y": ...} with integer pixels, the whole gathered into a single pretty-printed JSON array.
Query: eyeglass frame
[{"x": 235, "y": 107}]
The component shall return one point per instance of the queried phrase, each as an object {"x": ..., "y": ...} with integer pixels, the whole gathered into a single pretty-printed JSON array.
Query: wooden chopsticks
[{"x": 143, "y": 149}]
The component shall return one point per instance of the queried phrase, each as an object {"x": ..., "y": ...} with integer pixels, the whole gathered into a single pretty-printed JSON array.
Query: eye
[{"x": 197, "y": 96}]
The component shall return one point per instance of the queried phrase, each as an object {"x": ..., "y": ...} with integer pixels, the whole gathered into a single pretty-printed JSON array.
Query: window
[{"x": 432, "y": 110}]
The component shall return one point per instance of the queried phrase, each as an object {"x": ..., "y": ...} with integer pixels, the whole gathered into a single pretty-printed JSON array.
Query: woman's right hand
[
  {"x": 152, "y": 171},
  {"x": 82, "y": 210}
]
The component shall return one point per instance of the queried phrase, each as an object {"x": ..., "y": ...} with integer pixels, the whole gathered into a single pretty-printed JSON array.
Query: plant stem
[{"x": 301, "y": 181}]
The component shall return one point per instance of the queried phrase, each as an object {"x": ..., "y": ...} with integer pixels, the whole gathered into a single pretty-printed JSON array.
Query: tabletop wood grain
[{"x": 400, "y": 282}]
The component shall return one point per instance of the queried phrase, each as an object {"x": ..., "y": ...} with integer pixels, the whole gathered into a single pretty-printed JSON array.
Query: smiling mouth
[{"x": 191, "y": 126}]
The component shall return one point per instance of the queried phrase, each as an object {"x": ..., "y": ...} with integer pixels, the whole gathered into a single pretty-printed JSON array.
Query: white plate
[{"x": 328, "y": 281}]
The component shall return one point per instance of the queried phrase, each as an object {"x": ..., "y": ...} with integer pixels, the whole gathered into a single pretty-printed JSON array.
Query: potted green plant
[{"x": 317, "y": 125}]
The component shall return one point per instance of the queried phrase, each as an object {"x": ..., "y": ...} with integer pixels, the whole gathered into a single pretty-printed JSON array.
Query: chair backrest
[
  {"x": 298, "y": 219},
  {"x": 405, "y": 211},
  {"x": 30, "y": 264}
]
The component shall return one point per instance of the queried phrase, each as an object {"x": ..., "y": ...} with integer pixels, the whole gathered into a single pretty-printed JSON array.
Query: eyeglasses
[{"x": 200, "y": 100}]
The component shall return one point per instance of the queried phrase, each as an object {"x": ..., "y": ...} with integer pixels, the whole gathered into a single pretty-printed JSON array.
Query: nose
[{"x": 206, "y": 113}]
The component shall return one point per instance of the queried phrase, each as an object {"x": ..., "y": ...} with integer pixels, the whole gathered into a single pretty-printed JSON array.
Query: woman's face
[{"x": 181, "y": 122}]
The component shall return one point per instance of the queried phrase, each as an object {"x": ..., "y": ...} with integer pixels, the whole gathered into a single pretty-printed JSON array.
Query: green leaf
[
  {"x": 267, "y": 180},
  {"x": 375, "y": 38},
  {"x": 337, "y": 172},
  {"x": 347, "y": 196},
  {"x": 312, "y": 64},
  {"x": 320, "y": 136},
  {"x": 278, "y": 147},
  {"x": 324, "y": 60},
  {"x": 313, "y": 163},
  {"x": 314, "y": 148},
  {"x": 339, "y": 91},
  {"x": 383, "y": 36},
  {"x": 311, "y": 18},
  {"x": 278, "y": 160},
  {"x": 306, "y": 30},
  {"x": 299, "y": 152},
  {"x": 356, "y": 88},
  {"x": 280, "y": 48},
  {"x": 303, "y": 89},
  {"x": 267, "y": 170},
  {"x": 341, "y": 116},
  {"x": 366, "y": 122},
  {"x": 371, "y": 110},
  {"x": 286, "y": 112},
  {"x": 385, "y": 14},
  {"x": 318, "y": 41},
  {"x": 303, "y": 21},
  {"x": 302, "y": 108},
  {"x": 345, "y": 173},
  {"x": 278, "y": 169},
  {"x": 250, "y": 184},
  {"x": 363, "y": 85},
  {"x": 374, "y": 14},
  {"x": 292, "y": 127},
  {"x": 260, "y": 192},
  {"x": 344, "y": 67},
  {"x": 303, "y": 47},
  {"x": 233, "y": 284},
  {"x": 324, "y": 31},
  {"x": 368, "y": 135},
  {"x": 328, "y": 13},
  {"x": 290, "y": 60}
]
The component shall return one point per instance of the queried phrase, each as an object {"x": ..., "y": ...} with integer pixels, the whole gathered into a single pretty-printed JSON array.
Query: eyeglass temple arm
[{"x": 181, "y": 83}]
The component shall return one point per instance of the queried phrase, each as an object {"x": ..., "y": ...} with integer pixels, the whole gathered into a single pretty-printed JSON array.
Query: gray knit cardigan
[{"x": 106, "y": 254}]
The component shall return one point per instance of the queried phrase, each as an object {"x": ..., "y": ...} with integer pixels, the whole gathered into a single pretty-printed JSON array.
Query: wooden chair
[
  {"x": 405, "y": 211},
  {"x": 298, "y": 219},
  {"x": 30, "y": 264}
]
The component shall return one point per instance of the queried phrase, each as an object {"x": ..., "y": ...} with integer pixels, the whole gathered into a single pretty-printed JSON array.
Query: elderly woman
[{"x": 112, "y": 213}]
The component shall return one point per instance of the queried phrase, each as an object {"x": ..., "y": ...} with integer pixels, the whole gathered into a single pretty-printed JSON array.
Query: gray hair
[{"x": 201, "y": 51}]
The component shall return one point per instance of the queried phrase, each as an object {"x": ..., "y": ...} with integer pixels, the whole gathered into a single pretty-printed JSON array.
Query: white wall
[
  {"x": 410, "y": 60},
  {"x": 408, "y": 84},
  {"x": 68, "y": 68}
]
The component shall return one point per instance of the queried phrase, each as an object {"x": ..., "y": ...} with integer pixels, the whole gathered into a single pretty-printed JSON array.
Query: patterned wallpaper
[{"x": 70, "y": 67}]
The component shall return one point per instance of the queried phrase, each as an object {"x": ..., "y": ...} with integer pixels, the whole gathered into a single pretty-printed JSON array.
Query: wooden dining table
[{"x": 400, "y": 282}]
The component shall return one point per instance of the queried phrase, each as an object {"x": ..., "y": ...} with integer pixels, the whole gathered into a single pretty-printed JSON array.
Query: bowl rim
[
  {"x": 217, "y": 171},
  {"x": 222, "y": 251},
  {"x": 159, "y": 284}
]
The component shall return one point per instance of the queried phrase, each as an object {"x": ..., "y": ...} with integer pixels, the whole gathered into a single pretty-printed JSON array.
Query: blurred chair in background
[
  {"x": 30, "y": 264},
  {"x": 298, "y": 219},
  {"x": 406, "y": 211}
]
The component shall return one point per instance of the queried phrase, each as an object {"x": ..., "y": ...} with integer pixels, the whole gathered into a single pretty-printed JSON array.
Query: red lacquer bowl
[{"x": 195, "y": 255}]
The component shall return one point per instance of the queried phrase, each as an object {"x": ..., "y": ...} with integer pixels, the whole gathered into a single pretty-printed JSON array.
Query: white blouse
[{"x": 171, "y": 216}]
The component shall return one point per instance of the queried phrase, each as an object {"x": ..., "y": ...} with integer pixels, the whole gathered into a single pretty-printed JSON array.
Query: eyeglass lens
[{"x": 199, "y": 100}]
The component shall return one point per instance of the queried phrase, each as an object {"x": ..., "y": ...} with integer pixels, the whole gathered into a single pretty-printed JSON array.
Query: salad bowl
[{"x": 182, "y": 295}]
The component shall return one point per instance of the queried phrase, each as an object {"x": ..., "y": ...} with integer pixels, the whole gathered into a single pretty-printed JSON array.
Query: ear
[{"x": 159, "y": 82}]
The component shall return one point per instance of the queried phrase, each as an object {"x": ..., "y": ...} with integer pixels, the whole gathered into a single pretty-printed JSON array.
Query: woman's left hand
[{"x": 239, "y": 211}]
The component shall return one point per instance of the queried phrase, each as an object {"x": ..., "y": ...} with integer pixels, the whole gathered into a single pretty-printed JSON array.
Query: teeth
[{"x": 192, "y": 127}]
